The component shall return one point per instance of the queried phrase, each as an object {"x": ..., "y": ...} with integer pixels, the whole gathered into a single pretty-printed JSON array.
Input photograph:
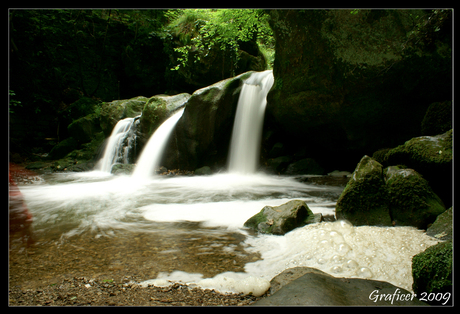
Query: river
[{"x": 190, "y": 229}]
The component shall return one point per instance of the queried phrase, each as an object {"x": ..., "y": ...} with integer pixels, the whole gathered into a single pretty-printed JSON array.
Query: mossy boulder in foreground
[
  {"x": 282, "y": 219},
  {"x": 432, "y": 272}
]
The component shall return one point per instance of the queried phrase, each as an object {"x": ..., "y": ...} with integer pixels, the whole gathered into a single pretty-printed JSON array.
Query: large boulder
[
  {"x": 157, "y": 109},
  {"x": 347, "y": 82},
  {"x": 63, "y": 148},
  {"x": 432, "y": 272},
  {"x": 202, "y": 135},
  {"x": 84, "y": 129},
  {"x": 282, "y": 219},
  {"x": 309, "y": 286},
  {"x": 411, "y": 199},
  {"x": 112, "y": 112},
  {"x": 432, "y": 157},
  {"x": 364, "y": 200}
]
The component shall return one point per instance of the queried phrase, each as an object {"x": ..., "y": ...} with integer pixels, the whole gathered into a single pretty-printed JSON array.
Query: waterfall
[
  {"x": 249, "y": 119},
  {"x": 153, "y": 151},
  {"x": 119, "y": 144}
]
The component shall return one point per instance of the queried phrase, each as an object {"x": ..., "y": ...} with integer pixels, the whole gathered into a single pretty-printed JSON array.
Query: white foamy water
[
  {"x": 116, "y": 150},
  {"x": 77, "y": 203},
  {"x": 153, "y": 151},
  {"x": 249, "y": 120}
]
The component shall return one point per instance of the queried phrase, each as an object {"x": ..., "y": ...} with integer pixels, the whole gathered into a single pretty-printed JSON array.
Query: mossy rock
[
  {"x": 305, "y": 166},
  {"x": 431, "y": 156},
  {"x": 112, "y": 112},
  {"x": 438, "y": 118},
  {"x": 118, "y": 169},
  {"x": 203, "y": 171},
  {"x": 364, "y": 200},
  {"x": 281, "y": 219},
  {"x": 412, "y": 201},
  {"x": 432, "y": 271},
  {"x": 442, "y": 227},
  {"x": 63, "y": 148},
  {"x": 85, "y": 128},
  {"x": 423, "y": 152},
  {"x": 157, "y": 109}
]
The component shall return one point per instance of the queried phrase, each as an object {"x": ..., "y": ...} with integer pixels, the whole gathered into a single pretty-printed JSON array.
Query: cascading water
[
  {"x": 153, "y": 151},
  {"x": 249, "y": 119},
  {"x": 119, "y": 144}
]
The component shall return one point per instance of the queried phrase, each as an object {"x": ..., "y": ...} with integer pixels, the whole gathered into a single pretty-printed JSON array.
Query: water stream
[
  {"x": 119, "y": 144},
  {"x": 153, "y": 151},
  {"x": 190, "y": 228},
  {"x": 249, "y": 120}
]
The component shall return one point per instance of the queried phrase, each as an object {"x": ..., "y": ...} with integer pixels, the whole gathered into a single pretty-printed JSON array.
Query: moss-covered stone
[
  {"x": 412, "y": 201},
  {"x": 282, "y": 219},
  {"x": 63, "y": 148},
  {"x": 157, "y": 109},
  {"x": 430, "y": 156},
  {"x": 364, "y": 200},
  {"x": 423, "y": 152},
  {"x": 438, "y": 118},
  {"x": 432, "y": 271},
  {"x": 85, "y": 128},
  {"x": 112, "y": 112},
  {"x": 442, "y": 227}
]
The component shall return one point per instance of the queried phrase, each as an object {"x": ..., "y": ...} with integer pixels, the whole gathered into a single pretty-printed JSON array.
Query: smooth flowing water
[
  {"x": 153, "y": 151},
  {"x": 119, "y": 144},
  {"x": 190, "y": 229},
  {"x": 249, "y": 120}
]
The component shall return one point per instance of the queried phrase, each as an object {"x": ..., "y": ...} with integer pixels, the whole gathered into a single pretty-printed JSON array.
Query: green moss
[
  {"x": 432, "y": 269},
  {"x": 153, "y": 114},
  {"x": 255, "y": 220},
  {"x": 364, "y": 200},
  {"x": 412, "y": 200}
]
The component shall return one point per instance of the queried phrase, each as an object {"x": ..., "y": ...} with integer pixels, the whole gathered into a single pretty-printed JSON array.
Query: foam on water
[
  {"x": 336, "y": 248},
  {"x": 106, "y": 202}
]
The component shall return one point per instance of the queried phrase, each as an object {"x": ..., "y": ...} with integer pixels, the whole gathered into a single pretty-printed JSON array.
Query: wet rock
[
  {"x": 203, "y": 171},
  {"x": 282, "y": 219},
  {"x": 122, "y": 168},
  {"x": 432, "y": 272},
  {"x": 412, "y": 201},
  {"x": 279, "y": 164},
  {"x": 430, "y": 156},
  {"x": 305, "y": 166},
  {"x": 364, "y": 200},
  {"x": 442, "y": 227},
  {"x": 309, "y": 286},
  {"x": 202, "y": 134}
]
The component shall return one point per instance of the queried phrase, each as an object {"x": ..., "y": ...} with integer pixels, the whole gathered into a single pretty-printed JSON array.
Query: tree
[{"x": 200, "y": 30}]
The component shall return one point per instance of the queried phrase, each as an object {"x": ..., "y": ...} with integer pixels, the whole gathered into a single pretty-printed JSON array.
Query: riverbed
[{"x": 189, "y": 229}]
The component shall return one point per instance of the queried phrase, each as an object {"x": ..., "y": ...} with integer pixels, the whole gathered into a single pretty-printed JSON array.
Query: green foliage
[
  {"x": 13, "y": 102},
  {"x": 200, "y": 30}
]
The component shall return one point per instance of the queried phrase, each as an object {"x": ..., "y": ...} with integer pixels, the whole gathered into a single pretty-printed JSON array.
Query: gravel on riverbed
[{"x": 81, "y": 291}]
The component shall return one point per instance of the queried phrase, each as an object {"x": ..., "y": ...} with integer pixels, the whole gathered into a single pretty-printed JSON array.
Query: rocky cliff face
[{"x": 350, "y": 83}]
